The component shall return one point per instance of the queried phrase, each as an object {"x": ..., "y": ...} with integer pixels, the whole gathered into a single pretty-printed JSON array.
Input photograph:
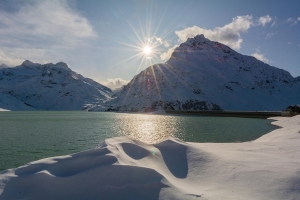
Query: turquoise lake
[{"x": 29, "y": 136}]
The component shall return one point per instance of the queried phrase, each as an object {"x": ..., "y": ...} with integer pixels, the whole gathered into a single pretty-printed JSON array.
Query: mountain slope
[
  {"x": 206, "y": 75},
  {"x": 3, "y": 66},
  {"x": 33, "y": 86}
]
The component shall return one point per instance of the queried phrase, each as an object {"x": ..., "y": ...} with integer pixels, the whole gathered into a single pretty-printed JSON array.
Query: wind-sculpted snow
[
  {"x": 32, "y": 86},
  {"x": 107, "y": 172},
  {"x": 123, "y": 168},
  {"x": 206, "y": 75}
]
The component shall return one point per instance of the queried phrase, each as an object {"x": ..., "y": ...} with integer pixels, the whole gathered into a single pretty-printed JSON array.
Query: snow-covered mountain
[
  {"x": 200, "y": 75},
  {"x": 33, "y": 86},
  {"x": 207, "y": 75}
]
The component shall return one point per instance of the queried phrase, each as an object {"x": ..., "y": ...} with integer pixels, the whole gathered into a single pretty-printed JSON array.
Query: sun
[{"x": 147, "y": 50}]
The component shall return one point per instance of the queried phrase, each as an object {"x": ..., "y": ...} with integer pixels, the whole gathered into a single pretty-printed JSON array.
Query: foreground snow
[{"x": 122, "y": 168}]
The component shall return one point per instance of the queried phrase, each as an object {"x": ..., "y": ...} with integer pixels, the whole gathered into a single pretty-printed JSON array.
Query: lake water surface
[{"x": 29, "y": 136}]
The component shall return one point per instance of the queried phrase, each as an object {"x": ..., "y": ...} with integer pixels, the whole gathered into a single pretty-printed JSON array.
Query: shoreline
[
  {"x": 218, "y": 113},
  {"x": 243, "y": 114}
]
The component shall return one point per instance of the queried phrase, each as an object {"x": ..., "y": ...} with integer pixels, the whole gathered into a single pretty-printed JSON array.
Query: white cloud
[
  {"x": 167, "y": 55},
  {"x": 260, "y": 57},
  {"x": 161, "y": 41},
  {"x": 114, "y": 83},
  {"x": 228, "y": 34},
  {"x": 45, "y": 25},
  {"x": 9, "y": 61},
  {"x": 166, "y": 43},
  {"x": 298, "y": 18},
  {"x": 264, "y": 20},
  {"x": 158, "y": 39},
  {"x": 46, "y": 20},
  {"x": 289, "y": 19}
]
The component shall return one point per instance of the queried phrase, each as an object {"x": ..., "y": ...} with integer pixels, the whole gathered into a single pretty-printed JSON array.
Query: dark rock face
[{"x": 295, "y": 109}]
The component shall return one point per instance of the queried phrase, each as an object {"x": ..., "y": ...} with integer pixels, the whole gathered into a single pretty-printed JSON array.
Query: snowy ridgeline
[
  {"x": 33, "y": 86},
  {"x": 122, "y": 168},
  {"x": 200, "y": 75}
]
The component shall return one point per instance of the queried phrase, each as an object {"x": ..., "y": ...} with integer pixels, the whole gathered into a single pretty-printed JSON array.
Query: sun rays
[{"x": 146, "y": 45}]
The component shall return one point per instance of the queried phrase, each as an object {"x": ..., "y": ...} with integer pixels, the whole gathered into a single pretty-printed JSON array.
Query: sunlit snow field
[{"x": 29, "y": 136}]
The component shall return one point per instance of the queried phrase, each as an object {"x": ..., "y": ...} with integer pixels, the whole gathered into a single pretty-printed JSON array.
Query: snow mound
[{"x": 123, "y": 168}]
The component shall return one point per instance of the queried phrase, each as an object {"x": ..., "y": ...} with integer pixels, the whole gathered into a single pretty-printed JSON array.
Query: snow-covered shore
[{"x": 122, "y": 168}]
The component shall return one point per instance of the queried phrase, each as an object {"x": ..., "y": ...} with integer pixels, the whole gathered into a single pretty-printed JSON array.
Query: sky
[{"x": 111, "y": 41}]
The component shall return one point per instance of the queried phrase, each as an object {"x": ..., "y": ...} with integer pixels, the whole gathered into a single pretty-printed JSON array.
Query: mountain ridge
[
  {"x": 34, "y": 86},
  {"x": 207, "y": 75},
  {"x": 200, "y": 75}
]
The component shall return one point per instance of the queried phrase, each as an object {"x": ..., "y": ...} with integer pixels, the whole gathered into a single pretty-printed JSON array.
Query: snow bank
[
  {"x": 1, "y": 109},
  {"x": 122, "y": 168}
]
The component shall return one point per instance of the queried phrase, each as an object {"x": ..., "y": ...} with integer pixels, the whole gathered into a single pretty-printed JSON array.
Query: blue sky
[{"x": 104, "y": 40}]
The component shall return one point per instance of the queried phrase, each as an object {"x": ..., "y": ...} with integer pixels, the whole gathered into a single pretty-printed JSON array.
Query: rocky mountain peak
[
  {"x": 28, "y": 63},
  {"x": 62, "y": 65},
  {"x": 197, "y": 40},
  {"x": 200, "y": 46}
]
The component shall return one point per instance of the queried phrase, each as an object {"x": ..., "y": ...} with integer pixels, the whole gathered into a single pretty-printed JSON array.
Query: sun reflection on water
[{"x": 147, "y": 128}]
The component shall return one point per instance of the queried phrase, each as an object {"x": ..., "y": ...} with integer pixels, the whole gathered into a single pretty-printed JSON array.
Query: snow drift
[{"x": 123, "y": 168}]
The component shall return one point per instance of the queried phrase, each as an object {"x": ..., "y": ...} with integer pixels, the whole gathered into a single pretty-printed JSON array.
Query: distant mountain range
[
  {"x": 200, "y": 75},
  {"x": 33, "y": 86}
]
